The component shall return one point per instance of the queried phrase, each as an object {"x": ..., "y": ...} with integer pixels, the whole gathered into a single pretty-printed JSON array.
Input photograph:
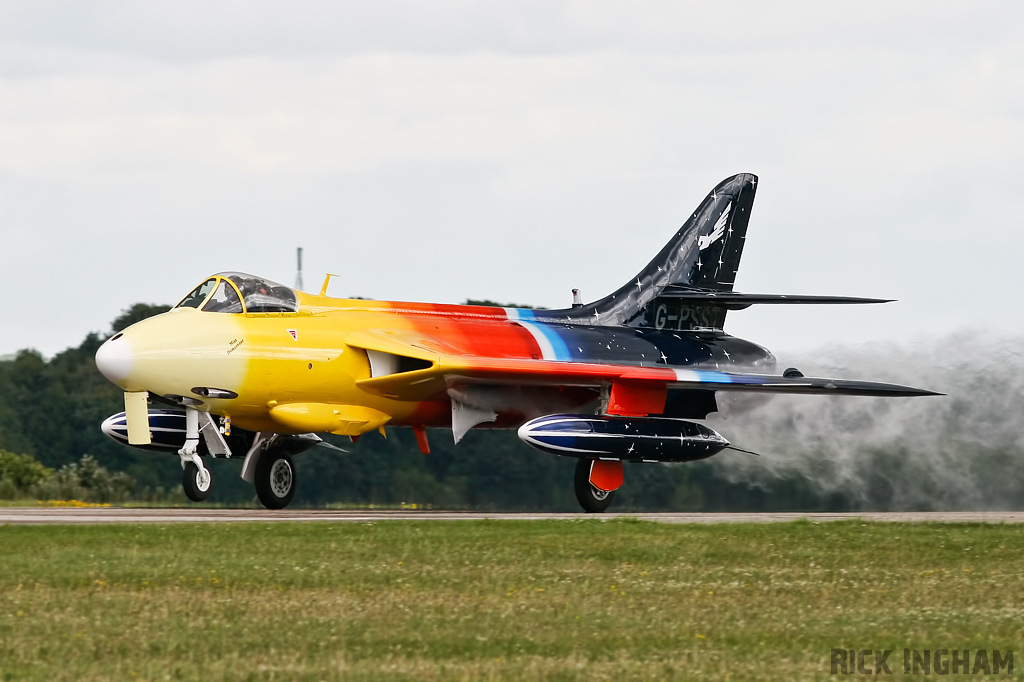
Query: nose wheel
[
  {"x": 197, "y": 482},
  {"x": 196, "y": 479},
  {"x": 275, "y": 479}
]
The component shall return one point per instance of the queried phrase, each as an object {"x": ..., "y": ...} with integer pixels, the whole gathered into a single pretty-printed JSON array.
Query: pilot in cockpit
[
  {"x": 217, "y": 295},
  {"x": 263, "y": 295}
]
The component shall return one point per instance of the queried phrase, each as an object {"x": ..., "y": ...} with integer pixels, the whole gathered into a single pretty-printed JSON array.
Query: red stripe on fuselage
[
  {"x": 476, "y": 330},
  {"x": 480, "y": 331}
]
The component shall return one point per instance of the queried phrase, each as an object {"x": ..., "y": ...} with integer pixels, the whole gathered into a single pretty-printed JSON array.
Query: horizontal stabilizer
[{"x": 736, "y": 300}]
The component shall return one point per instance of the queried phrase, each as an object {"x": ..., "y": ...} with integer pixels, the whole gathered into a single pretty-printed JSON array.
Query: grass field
[{"x": 516, "y": 600}]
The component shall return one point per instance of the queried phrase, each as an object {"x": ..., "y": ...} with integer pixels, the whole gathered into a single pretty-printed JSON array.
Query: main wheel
[
  {"x": 591, "y": 499},
  {"x": 275, "y": 479},
  {"x": 197, "y": 484}
]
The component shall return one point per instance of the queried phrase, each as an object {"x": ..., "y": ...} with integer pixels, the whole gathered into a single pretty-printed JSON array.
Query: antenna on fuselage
[
  {"x": 298, "y": 276},
  {"x": 327, "y": 280}
]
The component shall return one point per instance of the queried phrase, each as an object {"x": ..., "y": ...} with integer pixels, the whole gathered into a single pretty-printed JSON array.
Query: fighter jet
[{"x": 247, "y": 367}]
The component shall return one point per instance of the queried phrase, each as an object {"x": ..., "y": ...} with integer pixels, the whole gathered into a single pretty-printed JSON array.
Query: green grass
[{"x": 518, "y": 600}]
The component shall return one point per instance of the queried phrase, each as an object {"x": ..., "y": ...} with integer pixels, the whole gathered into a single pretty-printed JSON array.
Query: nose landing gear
[
  {"x": 197, "y": 482},
  {"x": 196, "y": 479}
]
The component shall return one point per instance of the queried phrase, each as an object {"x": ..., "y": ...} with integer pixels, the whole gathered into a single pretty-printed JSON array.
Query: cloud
[
  {"x": 510, "y": 151},
  {"x": 190, "y": 30}
]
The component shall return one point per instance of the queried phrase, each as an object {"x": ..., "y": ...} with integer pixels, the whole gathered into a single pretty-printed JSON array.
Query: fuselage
[{"x": 243, "y": 364}]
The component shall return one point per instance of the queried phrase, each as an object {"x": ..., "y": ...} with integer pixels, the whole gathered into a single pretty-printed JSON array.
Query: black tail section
[
  {"x": 706, "y": 251},
  {"x": 704, "y": 254}
]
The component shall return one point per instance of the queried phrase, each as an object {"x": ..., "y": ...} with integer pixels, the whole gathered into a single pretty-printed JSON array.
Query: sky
[{"x": 439, "y": 151}]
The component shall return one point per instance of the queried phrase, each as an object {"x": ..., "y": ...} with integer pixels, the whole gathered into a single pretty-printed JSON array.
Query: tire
[
  {"x": 197, "y": 488},
  {"x": 275, "y": 479},
  {"x": 592, "y": 500}
]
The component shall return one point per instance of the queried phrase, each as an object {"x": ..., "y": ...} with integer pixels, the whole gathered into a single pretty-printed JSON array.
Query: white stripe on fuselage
[{"x": 547, "y": 351}]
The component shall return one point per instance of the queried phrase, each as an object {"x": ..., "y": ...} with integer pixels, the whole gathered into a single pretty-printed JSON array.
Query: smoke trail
[{"x": 961, "y": 451}]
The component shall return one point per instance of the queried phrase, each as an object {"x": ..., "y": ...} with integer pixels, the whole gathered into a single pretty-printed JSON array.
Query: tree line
[{"x": 51, "y": 410}]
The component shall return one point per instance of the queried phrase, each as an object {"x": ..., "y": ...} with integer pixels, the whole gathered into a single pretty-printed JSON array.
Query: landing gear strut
[
  {"x": 592, "y": 499},
  {"x": 196, "y": 479}
]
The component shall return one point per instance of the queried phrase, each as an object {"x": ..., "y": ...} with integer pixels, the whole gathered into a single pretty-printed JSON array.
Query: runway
[{"x": 104, "y": 515}]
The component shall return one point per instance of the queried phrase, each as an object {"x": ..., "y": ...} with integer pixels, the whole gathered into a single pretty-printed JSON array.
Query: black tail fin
[{"x": 703, "y": 254}]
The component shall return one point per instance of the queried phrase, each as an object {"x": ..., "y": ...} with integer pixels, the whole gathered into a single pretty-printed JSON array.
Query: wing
[{"x": 447, "y": 369}]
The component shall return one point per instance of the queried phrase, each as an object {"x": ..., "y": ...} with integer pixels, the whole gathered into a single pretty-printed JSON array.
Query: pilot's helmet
[{"x": 250, "y": 285}]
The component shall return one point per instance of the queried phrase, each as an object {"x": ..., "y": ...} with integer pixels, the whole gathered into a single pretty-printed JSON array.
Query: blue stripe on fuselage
[{"x": 556, "y": 345}]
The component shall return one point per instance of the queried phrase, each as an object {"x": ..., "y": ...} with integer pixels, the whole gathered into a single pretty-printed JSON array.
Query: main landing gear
[
  {"x": 269, "y": 467},
  {"x": 595, "y": 482},
  {"x": 275, "y": 479}
]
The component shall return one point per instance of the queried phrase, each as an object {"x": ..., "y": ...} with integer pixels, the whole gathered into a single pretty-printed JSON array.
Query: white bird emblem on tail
[{"x": 716, "y": 234}]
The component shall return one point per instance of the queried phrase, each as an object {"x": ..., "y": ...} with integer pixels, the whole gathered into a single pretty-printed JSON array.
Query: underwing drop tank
[
  {"x": 649, "y": 439},
  {"x": 168, "y": 431}
]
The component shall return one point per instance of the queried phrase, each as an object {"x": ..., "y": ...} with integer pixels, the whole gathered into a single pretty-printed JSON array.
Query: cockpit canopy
[{"x": 237, "y": 292}]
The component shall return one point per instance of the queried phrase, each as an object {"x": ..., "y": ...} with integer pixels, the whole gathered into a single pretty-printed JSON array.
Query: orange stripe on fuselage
[{"x": 475, "y": 330}]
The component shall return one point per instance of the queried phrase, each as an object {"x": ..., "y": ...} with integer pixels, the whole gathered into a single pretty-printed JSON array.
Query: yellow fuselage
[{"x": 301, "y": 361}]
